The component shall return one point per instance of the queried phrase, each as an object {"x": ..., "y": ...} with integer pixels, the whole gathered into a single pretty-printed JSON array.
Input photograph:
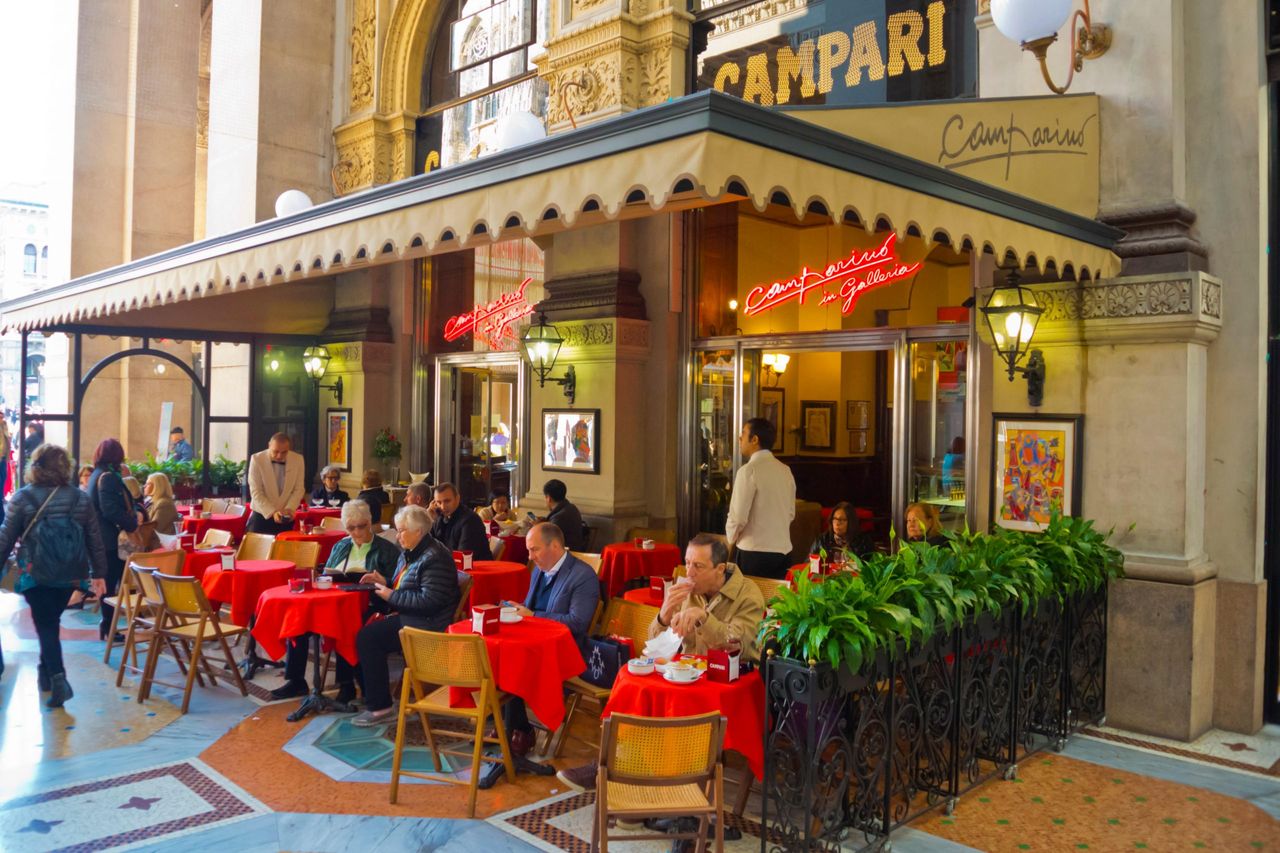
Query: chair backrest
[
  {"x": 255, "y": 546},
  {"x": 592, "y": 560},
  {"x": 628, "y": 619},
  {"x": 464, "y": 603},
  {"x": 207, "y": 505},
  {"x": 496, "y": 546},
  {"x": 454, "y": 660},
  {"x": 165, "y": 561},
  {"x": 657, "y": 534},
  {"x": 303, "y": 554},
  {"x": 145, "y": 580},
  {"x": 215, "y": 537},
  {"x": 331, "y": 522},
  {"x": 665, "y": 751},
  {"x": 679, "y": 572},
  {"x": 768, "y": 586},
  {"x": 183, "y": 596}
]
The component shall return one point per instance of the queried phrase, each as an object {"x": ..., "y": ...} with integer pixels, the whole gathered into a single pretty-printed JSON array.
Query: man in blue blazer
[{"x": 564, "y": 589}]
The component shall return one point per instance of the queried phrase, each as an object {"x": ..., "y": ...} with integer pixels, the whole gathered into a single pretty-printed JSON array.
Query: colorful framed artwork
[
  {"x": 857, "y": 414},
  {"x": 772, "y": 409},
  {"x": 338, "y": 435},
  {"x": 571, "y": 440},
  {"x": 818, "y": 425},
  {"x": 1037, "y": 468}
]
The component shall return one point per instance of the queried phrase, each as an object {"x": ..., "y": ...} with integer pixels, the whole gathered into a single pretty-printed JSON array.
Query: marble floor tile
[{"x": 250, "y": 835}]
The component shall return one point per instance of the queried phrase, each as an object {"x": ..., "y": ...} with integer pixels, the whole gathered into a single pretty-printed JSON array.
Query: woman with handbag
[
  {"x": 115, "y": 513},
  {"x": 58, "y": 545}
]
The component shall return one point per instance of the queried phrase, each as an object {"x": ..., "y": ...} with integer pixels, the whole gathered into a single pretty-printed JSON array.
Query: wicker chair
[
  {"x": 331, "y": 522},
  {"x": 592, "y": 560},
  {"x": 657, "y": 534},
  {"x": 303, "y": 554},
  {"x": 214, "y": 538},
  {"x": 660, "y": 768},
  {"x": 255, "y": 546},
  {"x": 768, "y": 586},
  {"x": 449, "y": 660}
]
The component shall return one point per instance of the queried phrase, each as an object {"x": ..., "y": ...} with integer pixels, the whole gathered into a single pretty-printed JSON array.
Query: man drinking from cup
[{"x": 714, "y": 605}]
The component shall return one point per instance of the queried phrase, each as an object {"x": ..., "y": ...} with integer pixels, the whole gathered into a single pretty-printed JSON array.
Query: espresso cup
[{"x": 324, "y": 582}]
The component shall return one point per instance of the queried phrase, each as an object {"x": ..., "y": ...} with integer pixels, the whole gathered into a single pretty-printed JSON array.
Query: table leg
[
  {"x": 252, "y": 662},
  {"x": 316, "y": 702}
]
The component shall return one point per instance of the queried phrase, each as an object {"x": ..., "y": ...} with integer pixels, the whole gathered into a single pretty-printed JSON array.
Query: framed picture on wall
[
  {"x": 818, "y": 425},
  {"x": 1037, "y": 466},
  {"x": 773, "y": 408},
  {"x": 571, "y": 440},
  {"x": 338, "y": 435},
  {"x": 857, "y": 414},
  {"x": 858, "y": 442}
]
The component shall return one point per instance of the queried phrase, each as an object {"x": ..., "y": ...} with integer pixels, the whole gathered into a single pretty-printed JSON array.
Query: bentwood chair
[
  {"x": 303, "y": 554},
  {"x": 331, "y": 522},
  {"x": 189, "y": 619},
  {"x": 592, "y": 560},
  {"x": 657, "y": 534},
  {"x": 128, "y": 598},
  {"x": 660, "y": 768},
  {"x": 215, "y": 538},
  {"x": 449, "y": 660},
  {"x": 255, "y": 546}
]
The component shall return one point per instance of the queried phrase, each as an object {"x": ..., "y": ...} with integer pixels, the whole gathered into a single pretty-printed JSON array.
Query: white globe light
[
  {"x": 290, "y": 202},
  {"x": 516, "y": 129},
  {"x": 1028, "y": 20}
]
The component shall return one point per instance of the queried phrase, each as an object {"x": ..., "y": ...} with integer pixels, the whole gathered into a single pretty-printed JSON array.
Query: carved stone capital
[
  {"x": 607, "y": 293},
  {"x": 372, "y": 151},
  {"x": 1159, "y": 238}
]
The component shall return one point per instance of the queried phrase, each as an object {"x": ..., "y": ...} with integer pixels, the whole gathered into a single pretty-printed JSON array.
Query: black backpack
[{"x": 54, "y": 547}]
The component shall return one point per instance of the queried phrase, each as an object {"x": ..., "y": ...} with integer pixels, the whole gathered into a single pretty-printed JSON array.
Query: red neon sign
[
  {"x": 862, "y": 271},
  {"x": 492, "y": 322}
]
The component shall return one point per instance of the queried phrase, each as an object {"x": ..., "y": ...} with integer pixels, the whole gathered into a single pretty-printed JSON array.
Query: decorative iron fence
[{"x": 851, "y": 756}]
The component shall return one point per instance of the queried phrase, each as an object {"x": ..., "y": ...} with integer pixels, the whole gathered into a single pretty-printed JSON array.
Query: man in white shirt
[
  {"x": 762, "y": 506},
  {"x": 277, "y": 485}
]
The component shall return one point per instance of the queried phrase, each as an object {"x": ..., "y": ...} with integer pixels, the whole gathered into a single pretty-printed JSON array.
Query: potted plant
[
  {"x": 226, "y": 475},
  {"x": 386, "y": 449}
]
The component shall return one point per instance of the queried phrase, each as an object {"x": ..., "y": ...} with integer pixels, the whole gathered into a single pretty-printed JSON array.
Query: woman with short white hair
[{"x": 328, "y": 492}]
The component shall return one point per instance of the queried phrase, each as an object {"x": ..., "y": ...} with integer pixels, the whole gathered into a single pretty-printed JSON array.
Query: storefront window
[
  {"x": 715, "y": 396},
  {"x": 939, "y": 382}
]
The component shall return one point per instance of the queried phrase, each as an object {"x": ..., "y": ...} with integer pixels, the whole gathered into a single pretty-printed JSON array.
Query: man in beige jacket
[{"x": 277, "y": 485}]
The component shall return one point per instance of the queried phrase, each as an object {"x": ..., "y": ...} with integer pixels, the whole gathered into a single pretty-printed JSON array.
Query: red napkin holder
[
  {"x": 658, "y": 586},
  {"x": 457, "y": 560},
  {"x": 484, "y": 618},
  {"x": 722, "y": 666}
]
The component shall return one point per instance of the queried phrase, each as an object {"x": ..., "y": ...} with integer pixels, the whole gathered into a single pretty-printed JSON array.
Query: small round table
[
  {"x": 243, "y": 586},
  {"x": 643, "y": 595},
  {"x": 198, "y": 561},
  {"x": 326, "y": 539},
  {"x": 498, "y": 580},
  {"x": 741, "y": 702},
  {"x": 622, "y": 561},
  {"x": 514, "y": 548},
  {"x": 311, "y": 516}
]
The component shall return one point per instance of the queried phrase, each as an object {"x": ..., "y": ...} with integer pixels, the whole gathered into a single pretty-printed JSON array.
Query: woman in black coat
[{"x": 114, "y": 507}]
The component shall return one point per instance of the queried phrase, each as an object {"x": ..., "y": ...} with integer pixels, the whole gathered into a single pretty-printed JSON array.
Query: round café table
[
  {"x": 643, "y": 595},
  {"x": 498, "y": 580},
  {"x": 514, "y": 548},
  {"x": 242, "y": 587},
  {"x": 326, "y": 539},
  {"x": 311, "y": 516},
  {"x": 230, "y": 522},
  {"x": 741, "y": 702},
  {"x": 622, "y": 561},
  {"x": 200, "y": 560}
]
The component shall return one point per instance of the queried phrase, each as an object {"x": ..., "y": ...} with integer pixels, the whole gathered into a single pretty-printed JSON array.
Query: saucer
[
  {"x": 511, "y": 620},
  {"x": 667, "y": 677}
]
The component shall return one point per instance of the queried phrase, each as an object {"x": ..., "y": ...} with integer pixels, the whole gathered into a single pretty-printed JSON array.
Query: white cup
[
  {"x": 647, "y": 545},
  {"x": 508, "y": 614},
  {"x": 324, "y": 582}
]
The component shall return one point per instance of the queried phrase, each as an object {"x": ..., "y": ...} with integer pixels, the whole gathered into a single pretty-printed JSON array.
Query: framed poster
[
  {"x": 857, "y": 414},
  {"x": 338, "y": 435},
  {"x": 858, "y": 442},
  {"x": 571, "y": 440},
  {"x": 772, "y": 407},
  {"x": 818, "y": 425},
  {"x": 1037, "y": 464}
]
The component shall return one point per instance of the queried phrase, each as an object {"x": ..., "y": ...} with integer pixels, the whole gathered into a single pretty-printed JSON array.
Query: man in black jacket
[
  {"x": 457, "y": 526},
  {"x": 423, "y": 594},
  {"x": 564, "y": 514}
]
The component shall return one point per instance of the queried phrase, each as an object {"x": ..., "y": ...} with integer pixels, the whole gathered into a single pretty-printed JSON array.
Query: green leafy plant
[
  {"x": 180, "y": 473},
  {"x": 386, "y": 445},
  {"x": 225, "y": 472}
]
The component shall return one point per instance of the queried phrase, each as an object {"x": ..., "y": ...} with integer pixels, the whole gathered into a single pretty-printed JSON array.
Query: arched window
[
  {"x": 44, "y": 261},
  {"x": 29, "y": 259}
]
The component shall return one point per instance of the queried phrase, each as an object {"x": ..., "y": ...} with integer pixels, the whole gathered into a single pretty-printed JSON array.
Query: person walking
[
  {"x": 114, "y": 508},
  {"x": 56, "y": 530}
]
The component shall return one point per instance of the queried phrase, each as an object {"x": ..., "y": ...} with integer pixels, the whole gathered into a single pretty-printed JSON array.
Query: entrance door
[{"x": 481, "y": 415}]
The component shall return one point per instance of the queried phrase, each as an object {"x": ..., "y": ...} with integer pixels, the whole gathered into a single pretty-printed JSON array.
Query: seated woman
[
  {"x": 372, "y": 493},
  {"x": 423, "y": 593},
  {"x": 360, "y": 554},
  {"x": 924, "y": 525},
  {"x": 838, "y": 543},
  {"x": 498, "y": 510},
  {"x": 328, "y": 491},
  {"x": 160, "y": 507}
]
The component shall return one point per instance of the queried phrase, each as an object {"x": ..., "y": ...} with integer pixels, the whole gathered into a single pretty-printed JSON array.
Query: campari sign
[
  {"x": 492, "y": 323},
  {"x": 840, "y": 282}
]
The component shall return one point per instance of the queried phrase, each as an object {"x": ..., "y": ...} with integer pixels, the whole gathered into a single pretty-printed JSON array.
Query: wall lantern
[
  {"x": 272, "y": 361},
  {"x": 542, "y": 345},
  {"x": 315, "y": 360},
  {"x": 775, "y": 364},
  {"x": 1035, "y": 23},
  {"x": 1012, "y": 313}
]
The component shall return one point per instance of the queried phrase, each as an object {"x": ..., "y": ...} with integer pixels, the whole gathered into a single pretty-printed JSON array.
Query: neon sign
[
  {"x": 492, "y": 322},
  {"x": 864, "y": 270}
]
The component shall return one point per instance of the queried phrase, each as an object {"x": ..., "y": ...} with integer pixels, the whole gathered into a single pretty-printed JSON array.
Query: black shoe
[
  {"x": 290, "y": 690},
  {"x": 43, "y": 681},
  {"x": 79, "y": 605},
  {"x": 60, "y": 691},
  {"x": 580, "y": 778},
  {"x": 346, "y": 694}
]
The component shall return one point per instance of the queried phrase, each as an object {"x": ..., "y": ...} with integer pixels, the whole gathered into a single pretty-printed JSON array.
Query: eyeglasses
[{"x": 354, "y": 527}]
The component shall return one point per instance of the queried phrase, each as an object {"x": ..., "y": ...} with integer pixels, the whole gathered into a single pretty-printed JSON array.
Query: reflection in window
[{"x": 939, "y": 442}]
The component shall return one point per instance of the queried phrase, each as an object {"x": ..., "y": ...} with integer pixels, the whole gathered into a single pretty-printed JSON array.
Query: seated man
[
  {"x": 563, "y": 589},
  {"x": 418, "y": 494},
  {"x": 328, "y": 489},
  {"x": 564, "y": 514},
  {"x": 457, "y": 526},
  {"x": 423, "y": 593},
  {"x": 359, "y": 554},
  {"x": 714, "y": 604}
]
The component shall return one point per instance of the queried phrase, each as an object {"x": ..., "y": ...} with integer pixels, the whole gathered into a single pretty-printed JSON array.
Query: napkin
[{"x": 665, "y": 645}]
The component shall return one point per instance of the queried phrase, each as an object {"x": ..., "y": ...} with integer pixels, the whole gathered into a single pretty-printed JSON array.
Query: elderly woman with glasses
[
  {"x": 327, "y": 492},
  {"x": 358, "y": 556}
]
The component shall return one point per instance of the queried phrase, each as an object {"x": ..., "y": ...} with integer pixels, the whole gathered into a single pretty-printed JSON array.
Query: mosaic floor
[{"x": 107, "y": 773}]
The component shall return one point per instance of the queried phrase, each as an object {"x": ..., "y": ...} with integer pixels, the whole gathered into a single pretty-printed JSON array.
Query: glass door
[
  {"x": 939, "y": 406},
  {"x": 481, "y": 414}
]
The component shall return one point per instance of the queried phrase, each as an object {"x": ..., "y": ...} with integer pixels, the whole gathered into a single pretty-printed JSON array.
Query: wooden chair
[
  {"x": 622, "y": 617},
  {"x": 331, "y": 522},
  {"x": 464, "y": 603},
  {"x": 592, "y": 560},
  {"x": 660, "y": 768},
  {"x": 657, "y": 534},
  {"x": 215, "y": 538},
  {"x": 768, "y": 586},
  {"x": 128, "y": 598},
  {"x": 214, "y": 505},
  {"x": 189, "y": 619},
  {"x": 142, "y": 630},
  {"x": 255, "y": 546},
  {"x": 449, "y": 660},
  {"x": 304, "y": 555}
]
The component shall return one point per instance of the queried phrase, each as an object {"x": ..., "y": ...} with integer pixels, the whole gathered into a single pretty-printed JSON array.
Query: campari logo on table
[
  {"x": 494, "y": 322},
  {"x": 843, "y": 281}
]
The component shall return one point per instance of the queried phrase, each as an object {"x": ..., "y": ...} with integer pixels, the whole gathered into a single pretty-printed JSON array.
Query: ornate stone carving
[
  {"x": 582, "y": 8},
  {"x": 370, "y": 151},
  {"x": 755, "y": 13},
  {"x": 587, "y": 334},
  {"x": 589, "y": 89},
  {"x": 354, "y": 167},
  {"x": 1211, "y": 299},
  {"x": 632, "y": 334},
  {"x": 364, "y": 31},
  {"x": 655, "y": 76},
  {"x": 202, "y": 124},
  {"x": 1106, "y": 301}
]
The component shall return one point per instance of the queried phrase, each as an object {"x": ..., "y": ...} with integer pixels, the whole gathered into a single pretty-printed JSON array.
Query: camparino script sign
[{"x": 842, "y": 52}]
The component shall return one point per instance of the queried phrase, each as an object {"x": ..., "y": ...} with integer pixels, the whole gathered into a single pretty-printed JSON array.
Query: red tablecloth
[
  {"x": 311, "y": 516},
  {"x": 622, "y": 561},
  {"x": 515, "y": 549},
  {"x": 742, "y": 702},
  {"x": 233, "y": 524},
  {"x": 242, "y": 587},
  {"x": 644, "y": 595},
  {"x": 326, "y": 539},
  {"x": 531, "y": 659},
  {"x": 497, "y": 580},
  {"x": 331, "y": 613},
  {"x": 196, "y": 563}
]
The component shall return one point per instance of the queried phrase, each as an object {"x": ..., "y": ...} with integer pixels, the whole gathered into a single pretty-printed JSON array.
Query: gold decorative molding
[
  {"x": 407, "y": 41},
  {"x": 363, "y": 41},
  {"x": 372, "y": 151}
]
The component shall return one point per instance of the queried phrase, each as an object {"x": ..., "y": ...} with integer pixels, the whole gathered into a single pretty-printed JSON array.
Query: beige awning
[{"x": 702, "y": 150}]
